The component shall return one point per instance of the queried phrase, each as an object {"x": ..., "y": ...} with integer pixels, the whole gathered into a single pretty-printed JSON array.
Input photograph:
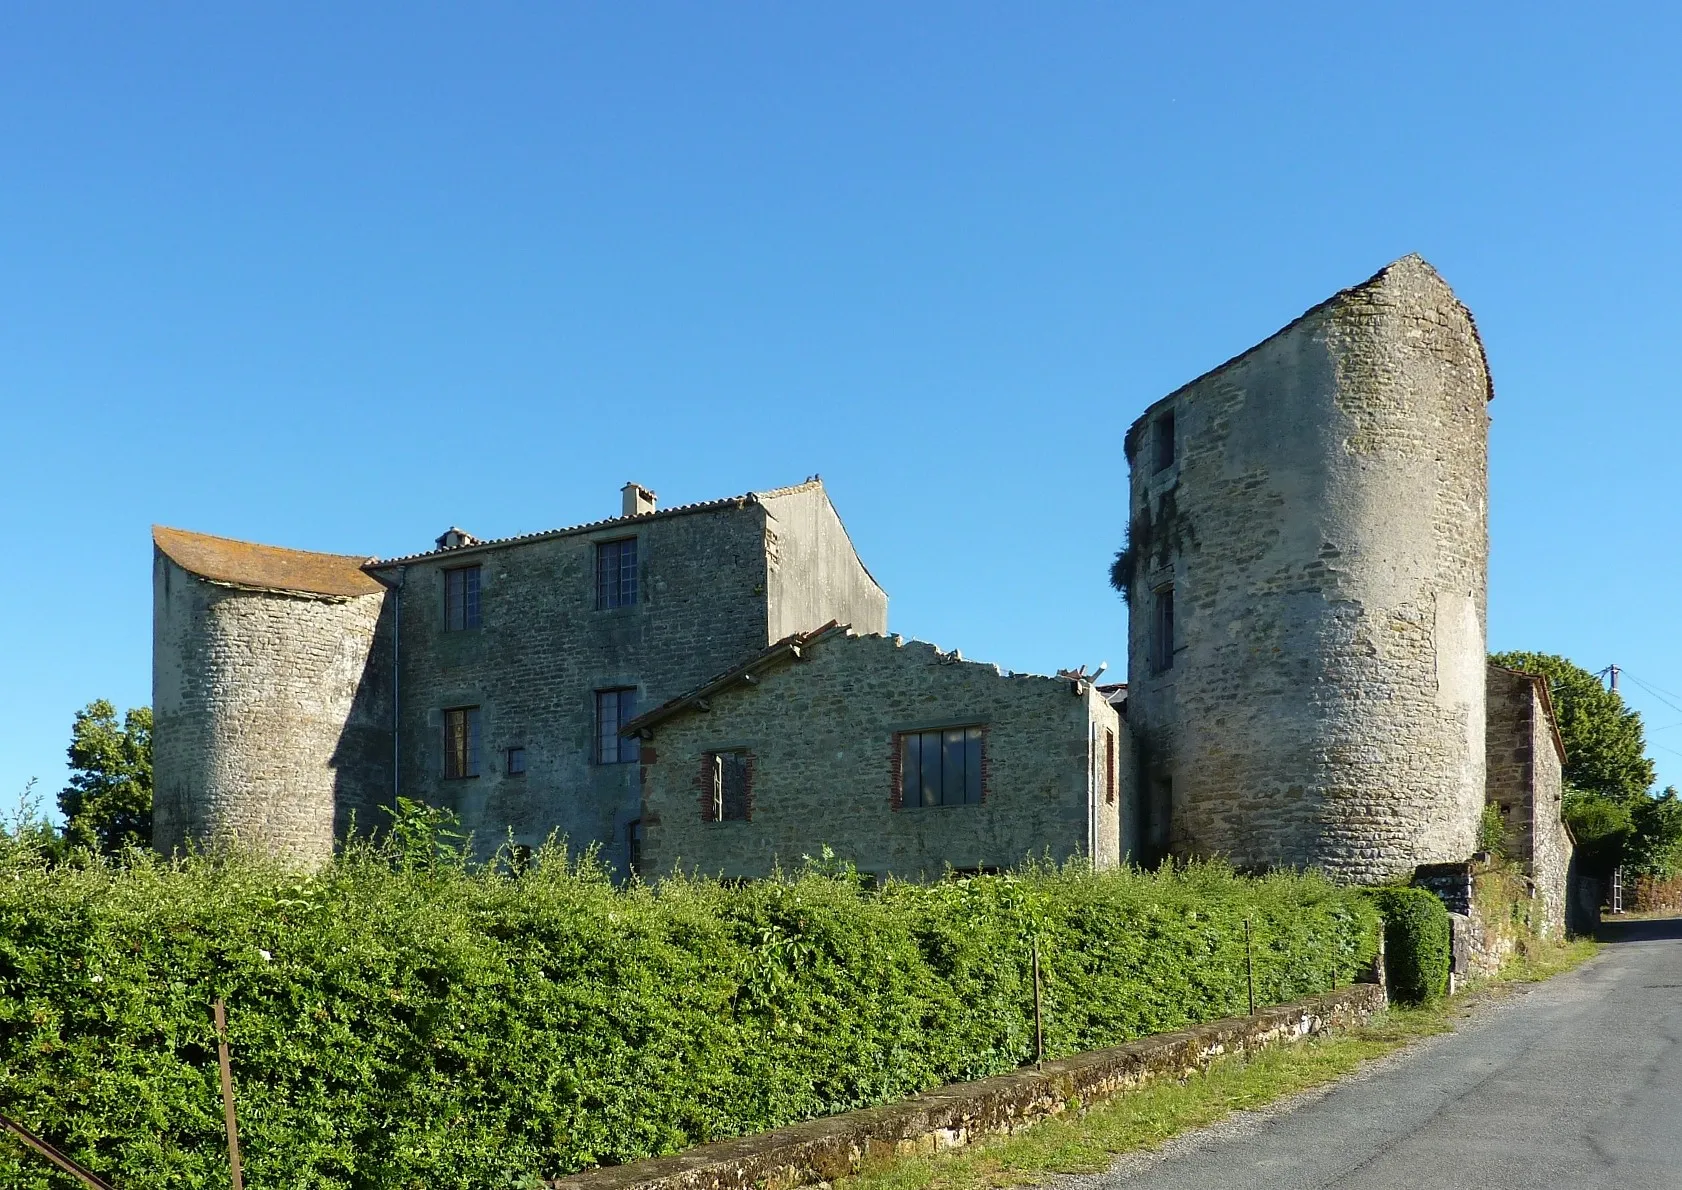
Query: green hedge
[
  {"x": 395, "y": 1026},
  {"x": 1418, "y": 943}
]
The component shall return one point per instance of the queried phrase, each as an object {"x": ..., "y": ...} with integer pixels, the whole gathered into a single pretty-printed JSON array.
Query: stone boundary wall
[
  {"x": 947, "y": 1117},
  {"x": 1649, "y": 894}
]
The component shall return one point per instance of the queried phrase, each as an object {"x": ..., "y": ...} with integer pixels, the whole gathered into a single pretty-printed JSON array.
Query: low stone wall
[
  {"x": 823, "y": 1150},
  {"x": 1648, "y": 894}
]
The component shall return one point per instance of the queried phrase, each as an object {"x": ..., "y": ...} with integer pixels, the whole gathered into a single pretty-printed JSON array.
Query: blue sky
[{"x": 340, "y": 276}]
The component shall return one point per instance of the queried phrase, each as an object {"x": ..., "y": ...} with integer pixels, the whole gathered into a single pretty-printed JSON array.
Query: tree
[
  {"x": 108, "y": 803},
  {"x": 1605, "y": 747}
]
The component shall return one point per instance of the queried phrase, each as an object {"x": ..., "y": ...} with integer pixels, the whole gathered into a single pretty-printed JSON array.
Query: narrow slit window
[
  {"x": 1109, "y": 767},
  {"x": 1162, "y": 630},
  {"x": 1165, "y": 445}
]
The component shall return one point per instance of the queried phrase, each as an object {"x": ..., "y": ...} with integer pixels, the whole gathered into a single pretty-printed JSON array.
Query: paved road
[{"x": 1577, "y": 1083}]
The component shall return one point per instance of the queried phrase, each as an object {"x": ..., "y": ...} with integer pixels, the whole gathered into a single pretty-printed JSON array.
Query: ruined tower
[
  {"x": 1306, "y": 572},
  {"x": 271, "y": 703}
]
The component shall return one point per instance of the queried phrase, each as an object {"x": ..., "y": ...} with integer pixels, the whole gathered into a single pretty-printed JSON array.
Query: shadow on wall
[{"x": 363, "y": 757}]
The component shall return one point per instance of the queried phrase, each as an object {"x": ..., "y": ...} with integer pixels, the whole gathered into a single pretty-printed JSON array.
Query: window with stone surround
[
  {"x": 516, "y": 766},
  {"x": 461, "y": 598},
  {"x": 1163, "y": 436},
  {"x": 616, "y": 573},
  {"x": 940, "y": 768},
  {"x": 461, "y": 742},
  {"x": 729, "y": 782},
  {"x": 1162, "y": 629},
  {"x": 614, "y": 709}
]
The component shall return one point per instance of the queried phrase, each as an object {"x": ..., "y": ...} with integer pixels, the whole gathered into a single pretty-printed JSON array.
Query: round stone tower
[
  {"x": 271, "y": 706},
  {"x": 1306, "y": 570}
]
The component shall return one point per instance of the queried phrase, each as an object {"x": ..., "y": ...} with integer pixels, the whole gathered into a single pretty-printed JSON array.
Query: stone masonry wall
[
  {"x": 814, "y": 574},
  {"x": 542, "y": 651},
  {"x": 823, "y": 736},
  {"x": 1323, "y": 527},
  {"x": 1525, "y": 781},
  {"x": 271, "y": 713}
]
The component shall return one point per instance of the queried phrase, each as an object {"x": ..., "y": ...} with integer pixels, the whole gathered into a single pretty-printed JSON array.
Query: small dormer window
[
  {"x": 461, "y": 598},
  {"x": 1163, "y": 435}
]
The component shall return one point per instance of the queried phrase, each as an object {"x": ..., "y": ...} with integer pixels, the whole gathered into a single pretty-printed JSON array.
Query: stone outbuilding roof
[{"x": 264, "y": 567}]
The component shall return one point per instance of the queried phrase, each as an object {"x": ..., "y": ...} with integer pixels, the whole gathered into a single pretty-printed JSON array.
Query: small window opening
[
  {"x": 614, "y": 709},
  {"x": 731, "y": 778},
  {"x": 516, "y": 766},
  {"x": 633, "y": 844},
  {"x": 1162, "y": 631},
  {"x": 461, "y": 742},
  {"x": 461, "y": 598},
  {"x": 616, "y": 573},
  {"x": 1165, "y": 440},
  {"x": 1109, "y": 767}
]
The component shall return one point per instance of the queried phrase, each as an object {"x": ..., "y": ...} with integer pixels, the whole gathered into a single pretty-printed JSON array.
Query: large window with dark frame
[
  {"x": 461, "y": 742},
  {"x": 616, "y": 573},
  {"x": 940, "y": 768},
  {"x": 461, "y": 598},
  {"x": 731, "y": 777},
  {"x": 614, "y": 709}
]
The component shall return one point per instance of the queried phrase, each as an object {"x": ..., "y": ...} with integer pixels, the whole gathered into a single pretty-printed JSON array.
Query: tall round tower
[
  {"x": 1306, "y": 571},
  {"x": 271, "y": 704}
]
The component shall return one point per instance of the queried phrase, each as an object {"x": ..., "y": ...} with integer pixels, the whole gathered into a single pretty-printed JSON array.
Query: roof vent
[
  {"x": 454, "y": 539},
  {"x": 638, "y": 500}
]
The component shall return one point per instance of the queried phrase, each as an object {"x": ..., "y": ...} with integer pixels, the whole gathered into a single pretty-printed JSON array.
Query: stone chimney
[
  {"x": 638, "y": 500},
  {"x": 454, "y": 539}
]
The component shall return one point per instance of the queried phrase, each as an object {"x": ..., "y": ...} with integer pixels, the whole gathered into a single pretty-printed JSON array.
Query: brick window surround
[{"x": 726, "y": 783}]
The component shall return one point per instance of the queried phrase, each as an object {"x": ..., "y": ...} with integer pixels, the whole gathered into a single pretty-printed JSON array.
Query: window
[
  {"x": 461, "y": 742},
  {"x": 1109, "y": 767},
  {"x": 516, "y": 766},
  {"x": 461, "y": 598},
  {"x": 731, "y": 778},
  {"x": 616, "y": 573},
  {"x": 633, "y": 844},
  {"x": 614, "y": 709},
  {"x": 940, "y": 768},
  {"x": 1165, "y": 440},
  {"x": 1162, "y": 631}
]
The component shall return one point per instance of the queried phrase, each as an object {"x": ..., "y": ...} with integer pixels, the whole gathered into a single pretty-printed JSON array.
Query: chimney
[
  {"x": 454, "y": 539},
  {"x": 638, "y": 500}
]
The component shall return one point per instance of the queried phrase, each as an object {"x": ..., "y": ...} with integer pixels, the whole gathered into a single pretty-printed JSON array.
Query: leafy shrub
[
  {"x": 408, "y": 1023},
  {"x": 1418, "y": 941},
  {"x": 1492, "y": 830}
]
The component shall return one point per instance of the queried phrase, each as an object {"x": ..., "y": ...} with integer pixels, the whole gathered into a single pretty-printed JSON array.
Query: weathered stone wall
[
  {"x": 1525, "y": 781},
  {"x": 544, "y": 648},
  {"x": 814, "y": 574},
  {"x": 271, "y": 713},
  {"x": 823, "y": 736},
  {"x": 1323, "y": 527}
]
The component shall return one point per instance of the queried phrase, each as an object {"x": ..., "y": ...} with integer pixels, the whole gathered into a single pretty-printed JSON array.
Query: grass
[{"x": 1089, "y": 1141}]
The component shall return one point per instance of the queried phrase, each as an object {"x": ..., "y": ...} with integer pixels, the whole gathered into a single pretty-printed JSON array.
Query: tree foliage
[
  {"x": 1605, "y": 746},
  {"x": 108, "y": 804}
]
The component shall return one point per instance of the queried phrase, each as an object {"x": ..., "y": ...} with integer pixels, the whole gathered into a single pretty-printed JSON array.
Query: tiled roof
[
  {"x": 264, "y": 567},
  {"x": 741, "y": 501}
]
